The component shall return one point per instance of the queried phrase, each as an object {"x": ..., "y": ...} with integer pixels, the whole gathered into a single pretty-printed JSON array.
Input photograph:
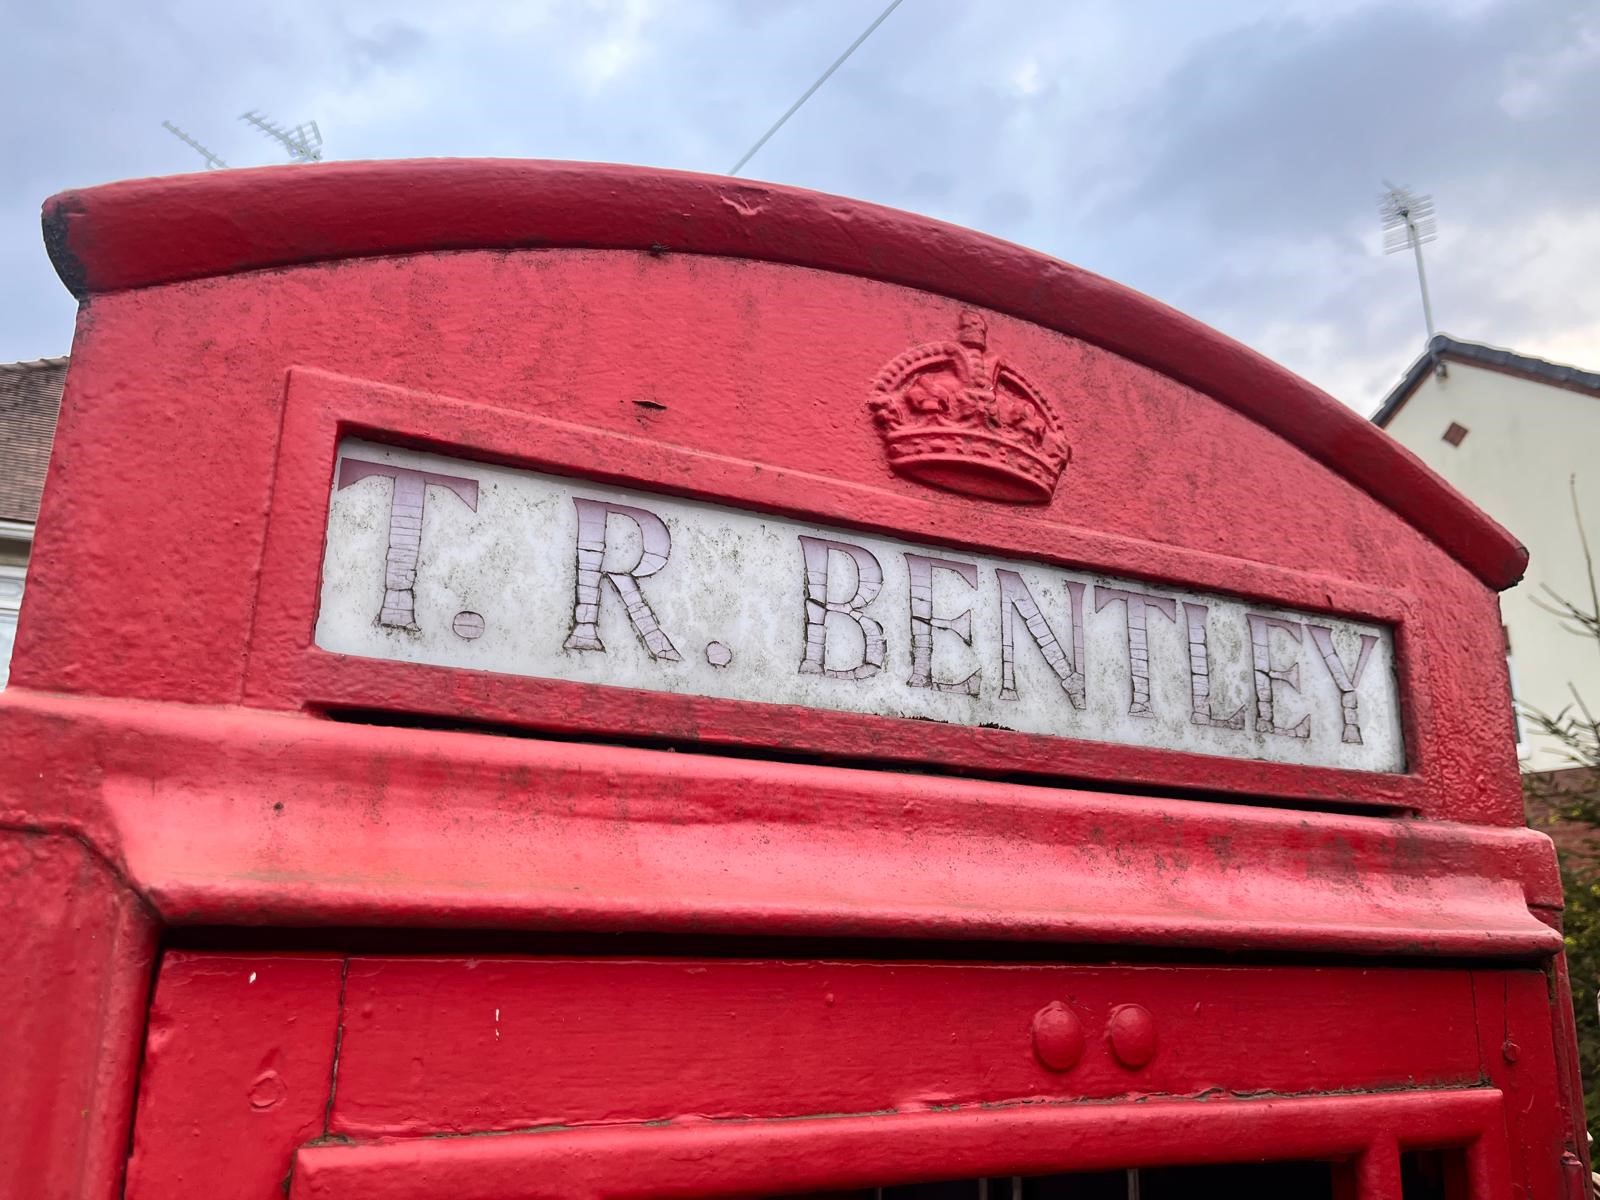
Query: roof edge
[
  {"x": 1409, "y": 382},
  {"x": 141, "y": 233},
  {"x": 36, "y": 364},
  {"x": 1444, "y": 348}
]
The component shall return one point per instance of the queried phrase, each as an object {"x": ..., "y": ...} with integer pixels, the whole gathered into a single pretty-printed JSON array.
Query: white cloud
[
  {"x": 621, "y": 42},
  {"x": 1025, "y": 79},
  {"x": 1221, "y": 156},
  {"x": 1533, "y": 82}
]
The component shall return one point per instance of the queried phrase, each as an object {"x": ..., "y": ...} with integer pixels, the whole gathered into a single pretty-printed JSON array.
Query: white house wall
[{"x": 1526, "y": 443}]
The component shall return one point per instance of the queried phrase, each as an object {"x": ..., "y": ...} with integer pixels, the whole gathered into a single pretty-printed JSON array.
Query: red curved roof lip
[{"x": 143, "y": 232}]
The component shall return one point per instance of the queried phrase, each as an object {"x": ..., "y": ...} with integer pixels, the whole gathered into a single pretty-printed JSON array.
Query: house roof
[
  {"x": 1444, "y": 348},
  {"x": 30, "y": 398}
]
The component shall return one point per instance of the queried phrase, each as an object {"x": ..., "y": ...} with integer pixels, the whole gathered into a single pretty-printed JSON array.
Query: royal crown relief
[
  {"x": 544, "y": 576},
  {"x": 955, "y": 416}
]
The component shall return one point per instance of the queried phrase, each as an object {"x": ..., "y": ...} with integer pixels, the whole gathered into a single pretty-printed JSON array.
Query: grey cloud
[
  {"x": 391, "y": 43},
  {"x": 1278, "y": 122},
  {"x": 1223, "y": 160},
  {"x": 1261, "y": 156}
]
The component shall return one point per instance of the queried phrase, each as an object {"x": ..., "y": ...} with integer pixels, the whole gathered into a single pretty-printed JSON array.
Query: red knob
[
  {"x": 1057, "y": 1036},
  {"x": 1132, "y": 1034}
]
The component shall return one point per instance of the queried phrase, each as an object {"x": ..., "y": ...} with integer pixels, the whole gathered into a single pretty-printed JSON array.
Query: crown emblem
[{"x": 955, "y": 416}]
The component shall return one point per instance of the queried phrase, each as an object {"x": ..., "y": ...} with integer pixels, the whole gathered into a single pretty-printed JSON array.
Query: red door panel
[
  {"x": 238, "y": 1066},
  {"x": 450, "y": 1046},
  {"x": 1520, "y": 1058},
  {"x": 924, "y": 1072}
]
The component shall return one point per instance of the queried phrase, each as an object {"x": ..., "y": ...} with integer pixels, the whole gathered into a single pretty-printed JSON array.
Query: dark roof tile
[
  {"x": 30, "y": 399},
  {"x": 1444, "y": 348}
]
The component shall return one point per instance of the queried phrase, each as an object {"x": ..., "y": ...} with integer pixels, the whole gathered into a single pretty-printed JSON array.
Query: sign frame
[{"x": 287, "y": 670}]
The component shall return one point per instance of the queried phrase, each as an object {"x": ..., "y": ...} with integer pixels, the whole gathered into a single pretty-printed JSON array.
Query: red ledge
[
  {"x": 226, "y": 816},
  {"x": 1037, "y": 1137},
  {"x": 152, "y": 231}
]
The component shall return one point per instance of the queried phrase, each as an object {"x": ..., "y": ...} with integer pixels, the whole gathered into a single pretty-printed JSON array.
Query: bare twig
[{"x": 1588, "y": 558}]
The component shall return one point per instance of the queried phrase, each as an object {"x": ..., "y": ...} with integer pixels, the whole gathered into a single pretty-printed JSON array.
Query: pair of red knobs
[{"x": 1058, "y": 1036}]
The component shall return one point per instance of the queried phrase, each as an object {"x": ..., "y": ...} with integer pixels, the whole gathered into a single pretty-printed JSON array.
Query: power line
[{"x": 821, "y": 79}]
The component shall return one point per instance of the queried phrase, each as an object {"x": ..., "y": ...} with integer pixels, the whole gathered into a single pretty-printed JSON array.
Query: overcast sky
[{"x": 1222, "y": 155}]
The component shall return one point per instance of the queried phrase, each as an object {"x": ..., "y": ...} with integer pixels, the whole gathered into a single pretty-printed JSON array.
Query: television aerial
[
  {"x": 212, "y": 161},
  {"x": 303, "y": 142},
  {"x": 1408, "y": 222}
]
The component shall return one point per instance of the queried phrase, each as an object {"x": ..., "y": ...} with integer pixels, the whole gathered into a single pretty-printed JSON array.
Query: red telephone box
[{"x": 737, "y": 692}]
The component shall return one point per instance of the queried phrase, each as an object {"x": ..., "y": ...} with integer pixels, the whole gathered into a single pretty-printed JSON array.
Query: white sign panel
[{"x": 476, "y": 567}]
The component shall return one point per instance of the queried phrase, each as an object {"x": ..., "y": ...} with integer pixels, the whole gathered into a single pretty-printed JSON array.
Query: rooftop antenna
[
  {"x": 212, "y": 161},
  {"x": 303, "y": 142},
  {"x": 1408, "y": 222}
]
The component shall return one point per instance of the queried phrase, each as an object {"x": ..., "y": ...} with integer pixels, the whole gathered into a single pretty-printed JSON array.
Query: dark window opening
[
  {"x": 1433, "y": 1175},
  {"x": 1237, "y": 1181},
  {"x": 1424, "y": 1175}
]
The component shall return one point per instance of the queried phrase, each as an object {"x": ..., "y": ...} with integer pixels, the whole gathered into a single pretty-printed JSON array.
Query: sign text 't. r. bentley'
[{"x": 464, "y": 565}]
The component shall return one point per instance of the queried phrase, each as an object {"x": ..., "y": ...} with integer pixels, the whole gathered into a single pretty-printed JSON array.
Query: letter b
[{"x": 869, "y": 582}]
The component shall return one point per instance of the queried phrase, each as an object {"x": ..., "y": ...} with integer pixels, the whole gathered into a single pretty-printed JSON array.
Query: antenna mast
[
  {"x": 212, "y": 161},
  {"x": 1408, "y": 221},
  {"x": 303, "y": 142}
]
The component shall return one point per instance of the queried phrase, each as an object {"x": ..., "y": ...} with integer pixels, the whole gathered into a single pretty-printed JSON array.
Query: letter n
[{"x": 1017, "y": 601}]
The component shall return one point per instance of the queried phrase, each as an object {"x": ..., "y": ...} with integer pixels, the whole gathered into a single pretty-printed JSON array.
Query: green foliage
[
  {"x": 1582, "y": 927},
  {"x": 1574, "y": 797}
]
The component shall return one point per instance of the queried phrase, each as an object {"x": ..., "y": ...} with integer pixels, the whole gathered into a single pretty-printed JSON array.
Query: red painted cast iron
[{"x": 287, "y": 917}]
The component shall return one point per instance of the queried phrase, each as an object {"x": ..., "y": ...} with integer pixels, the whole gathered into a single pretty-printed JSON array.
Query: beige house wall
[{"x": 1527, "y": 444}]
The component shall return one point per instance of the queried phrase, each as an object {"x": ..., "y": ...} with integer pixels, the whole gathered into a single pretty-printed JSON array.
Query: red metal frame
[
  {"x": 435, "y": 1047},
  {"x": 151, "y": 231},
  {"x": 79, "y": 946},
  {"x": 768, "y": 1157},
  {"x": 1282, "y": 510},
  {"x": 184, "y": 773},
  {"x": 285, "y": 669},
  {"x": 367, "y": 1068},
  {"x": 237, "y": 816}
]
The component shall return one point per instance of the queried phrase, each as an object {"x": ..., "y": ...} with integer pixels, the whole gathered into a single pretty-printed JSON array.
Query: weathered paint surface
[
  {"x": 238, "y": 1064},
  {"x": 338, "y": 823},
  {"x": 122, "y": 237},
  {"x": 172, "y": 758},
  {"x": 241, "y": 1050},
  {"x": 424, "y": 1052},
  {"x": 77, "y": 948},
  {"x": 1232, "y": 509},
  {"x": 1362, "y": 1134}
]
